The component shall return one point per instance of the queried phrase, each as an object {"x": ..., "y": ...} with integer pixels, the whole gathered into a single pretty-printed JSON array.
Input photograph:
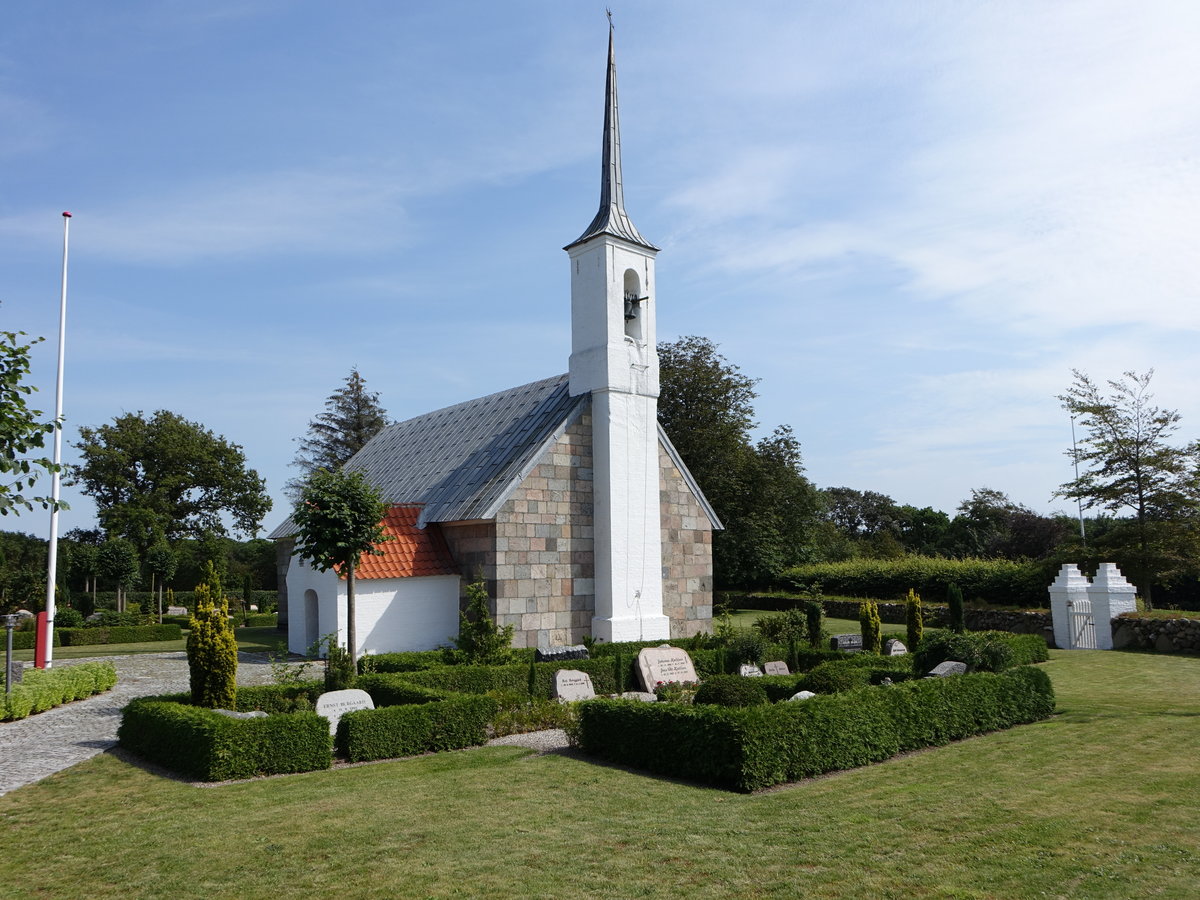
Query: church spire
[{"x": 611, "y": 218}]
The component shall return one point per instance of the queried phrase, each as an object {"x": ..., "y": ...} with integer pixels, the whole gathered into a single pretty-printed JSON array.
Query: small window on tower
[{"x": 633, "y": 306}]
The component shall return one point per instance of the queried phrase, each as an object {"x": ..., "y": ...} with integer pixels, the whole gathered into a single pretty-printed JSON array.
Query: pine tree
[{"x": 352, "y": 417}]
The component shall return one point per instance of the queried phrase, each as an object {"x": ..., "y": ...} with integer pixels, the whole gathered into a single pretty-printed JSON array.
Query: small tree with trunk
[
  {"x": 162, "y": 562},
  {"x": 338, "y": 519}
]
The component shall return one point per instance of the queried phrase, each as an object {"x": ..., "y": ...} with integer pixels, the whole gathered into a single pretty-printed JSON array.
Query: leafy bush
[
  {"x": 67, "y": 617},
  {"x": 747, "y": 647},
  {"x": 43, "y": 689},
  {"x": 260, "y": 620},
  {"x": 208, "y": 746},
  {"x": 789, "y": 625},
  {"x": 835, "y": 677},
  {"x": 393, "y": 731},
  {"x": 732, "y": 690},
  {"x": 520, "y": 714},
  {"x": 109, "y": 618},
  {"x": 752, "y": 748},
  {"x": 986, "y": 651}
]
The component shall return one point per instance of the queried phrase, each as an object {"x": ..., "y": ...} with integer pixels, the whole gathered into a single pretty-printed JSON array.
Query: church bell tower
[{"x": 614, "y": 358}]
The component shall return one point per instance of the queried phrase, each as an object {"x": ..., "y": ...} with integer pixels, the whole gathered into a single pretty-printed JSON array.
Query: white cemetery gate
[
  {"x": 1082, "y": 632},
  {"x": 1083, "y": 610}
]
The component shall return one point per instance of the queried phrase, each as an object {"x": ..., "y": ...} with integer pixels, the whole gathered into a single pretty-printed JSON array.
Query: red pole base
[{"x": 39, "y": 642}]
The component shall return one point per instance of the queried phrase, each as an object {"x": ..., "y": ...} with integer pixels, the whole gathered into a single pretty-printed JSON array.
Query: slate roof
[
  {"x": 462, "y": 462},
  {"x": 412, "y": 551}
]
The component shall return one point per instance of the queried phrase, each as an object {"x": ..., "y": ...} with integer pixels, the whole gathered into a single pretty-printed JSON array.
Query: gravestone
[
  {"x": 948, "y": 668},
  {"x": 662, "y": 664},
  {"x": 849, "y": 642},
  {"x": 571, "y": 684},
  {"x": 643, "y": 696},
  {"x": 801, "y": 695},
  {"x": 176, "y": 611},
  {"x": 335, "y": 704},
  {"x": 557, "y": 654},
  {"x": 894, "y": 648},
  {"x": 748, "y": 671},
  {"x": 778, "y": 668},
  {"x": 234, "y": 714}
]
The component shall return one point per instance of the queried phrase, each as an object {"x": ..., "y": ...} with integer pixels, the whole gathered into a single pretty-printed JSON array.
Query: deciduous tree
[
  {"x": 164, "y": 476},
  {"x": 1129, "y": 464},
  {"x": 338, "y": 519},
  {"x": 21, "y": 432}
]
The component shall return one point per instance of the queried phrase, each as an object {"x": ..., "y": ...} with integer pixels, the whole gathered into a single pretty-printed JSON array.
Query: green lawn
[
  {"x": 251, "y": 640},
  {"x": 1098, "y": 802}
]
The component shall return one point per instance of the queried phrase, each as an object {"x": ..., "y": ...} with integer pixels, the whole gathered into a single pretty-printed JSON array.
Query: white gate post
[
  {"x": 1069, "y": 586},
  {"x": 1111, "y": 594}
]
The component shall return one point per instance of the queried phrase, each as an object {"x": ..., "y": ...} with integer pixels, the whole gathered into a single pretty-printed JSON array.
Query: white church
[{"x": 565, "y": 495}]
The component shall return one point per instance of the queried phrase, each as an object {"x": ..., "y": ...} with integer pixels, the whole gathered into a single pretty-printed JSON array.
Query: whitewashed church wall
[
  {"x": 303, "y": 629},
  {"x": 403, "y": 613}
]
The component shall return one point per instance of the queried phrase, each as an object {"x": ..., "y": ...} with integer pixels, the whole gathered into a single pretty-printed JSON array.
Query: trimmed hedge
[
  {"x": 515, "y": 678},
  {"x": 752, "y": 748},
  {"x": 990, "y": 580},
  {"x": 405, "y": 661},
  {"x": 43, "y": 689},
  {"x": 208, "y": 746},
  {"x": 393, "y": 731},
  {"x": 391, "y": 689},
  {"x": 732, "y": 690},
  {"x": 119, "y": 634},
  {"x": 278, "y": 698},
  {"x": 24, "y": 640},
  {"x": 985, "y": 651}
]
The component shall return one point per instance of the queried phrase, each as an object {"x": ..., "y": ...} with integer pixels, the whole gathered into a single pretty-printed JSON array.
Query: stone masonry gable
[
  {"x": 686, "y": 551},
  {"x": 544, "y": 577}
]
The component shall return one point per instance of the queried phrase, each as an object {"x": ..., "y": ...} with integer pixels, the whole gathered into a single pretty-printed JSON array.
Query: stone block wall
[
  {"x": 1181, "y": 635},
  {"x": 686, "y": 554},
  {"x": 544, "y": 573}
]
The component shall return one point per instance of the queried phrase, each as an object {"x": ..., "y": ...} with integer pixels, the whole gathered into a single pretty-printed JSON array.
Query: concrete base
[{"x": 614, "y": 630}]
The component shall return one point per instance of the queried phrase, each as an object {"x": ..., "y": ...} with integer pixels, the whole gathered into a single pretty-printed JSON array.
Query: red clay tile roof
[{"x": 412, "y": 551}]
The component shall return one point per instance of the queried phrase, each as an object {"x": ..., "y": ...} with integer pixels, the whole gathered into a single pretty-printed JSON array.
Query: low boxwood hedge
[
  {"x": 24, "y": 640},
  {"x": 117, "y": 634},
  {"x": 752, "y": 748},
  {"x": 43, "y": 689},
  {"x": 515, "y": 678},
  {"x": 405, "y": 661},
  {"x": 392, "y": 731},
  {"x": 984, "y": 651},
  {"x": 208, "y": 746}
]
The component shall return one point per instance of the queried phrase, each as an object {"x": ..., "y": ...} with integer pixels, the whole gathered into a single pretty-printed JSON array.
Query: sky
[{"x": 910, "y": 220}]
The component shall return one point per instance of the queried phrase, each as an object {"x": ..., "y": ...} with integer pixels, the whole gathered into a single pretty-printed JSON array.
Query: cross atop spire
[{"x": 611, "y": 218}]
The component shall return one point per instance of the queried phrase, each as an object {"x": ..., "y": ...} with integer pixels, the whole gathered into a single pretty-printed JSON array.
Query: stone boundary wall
[{"x": 1161, "y": 635}]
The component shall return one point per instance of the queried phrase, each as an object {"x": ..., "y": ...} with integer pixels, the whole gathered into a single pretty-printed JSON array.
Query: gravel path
[{"x": 40, "y": 745}]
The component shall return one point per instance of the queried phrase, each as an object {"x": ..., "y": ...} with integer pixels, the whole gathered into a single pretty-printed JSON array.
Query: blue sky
[{"x": 910, "y": 220}]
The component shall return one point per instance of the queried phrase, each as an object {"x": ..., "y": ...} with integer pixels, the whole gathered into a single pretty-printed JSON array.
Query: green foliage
[
  {"x": 987, "y": 580},
  {"x": 752, "y": 748},
  {"x": 117, "y": 634},
  {"x": 212, "y": 648},
  {"x": 394, "y": 731},
  {"x": 675, "y": 691},
  {"x": 479, "y": 639},
  {"x": 66, "y": 617},
  {"x": 914, "y": 619},
  {"x": 1129, "y": 464},
  {"x": 296, "y": 696},
  {"x": 339, "y": 664},
  {"x": 208, "y": 746},
  {"x": 20, "y": 430},
  {"x": 835, "y": 677},
  {"x": 408, "y": 661},
  {"x": 43, "y": 689},
  {"x": 954, "y": 600},
  {"x": 338, "y": 519},
  {"x": 868, "y": 620},
  {"x": 166, "y": 476},
  {"x": 814, "y": 614},
  {"x": 747, "y": 647},
  {"x": 731, "y": 690},
  {"x": 518, "y": 714},
  {"x": 758, "y": 490},
  {"x": 514, "y": 679},
  {"x": 789, "y": 625},
  {"x": 352, "y": 417},
  {"x": 987, "y": 651}
]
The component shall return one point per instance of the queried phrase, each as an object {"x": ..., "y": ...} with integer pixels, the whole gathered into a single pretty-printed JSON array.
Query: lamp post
[{"x": 10, "y": 622}]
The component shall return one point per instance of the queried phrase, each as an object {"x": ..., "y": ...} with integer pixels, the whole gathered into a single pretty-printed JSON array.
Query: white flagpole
[{"x": 55, "y": 479}]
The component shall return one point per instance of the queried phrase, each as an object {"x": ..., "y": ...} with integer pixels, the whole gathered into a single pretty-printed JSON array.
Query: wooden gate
[{"x": 1082, "y": 625}]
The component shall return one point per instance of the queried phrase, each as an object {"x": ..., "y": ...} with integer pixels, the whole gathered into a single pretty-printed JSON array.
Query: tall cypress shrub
[
  {"x": 211, "y": 646},
  {"x": 954, "y": 599},
  {"x": 914, "y": 619},
  {"x": 869, "y": 622},
  {"x": 814, "y": 614}
]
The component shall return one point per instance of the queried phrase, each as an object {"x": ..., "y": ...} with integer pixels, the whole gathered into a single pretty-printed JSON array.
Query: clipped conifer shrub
[{"x": 211, "y": 646}]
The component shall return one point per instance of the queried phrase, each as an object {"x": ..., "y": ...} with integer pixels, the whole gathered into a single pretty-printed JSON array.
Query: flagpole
[{"x": 55, "y": 479}]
